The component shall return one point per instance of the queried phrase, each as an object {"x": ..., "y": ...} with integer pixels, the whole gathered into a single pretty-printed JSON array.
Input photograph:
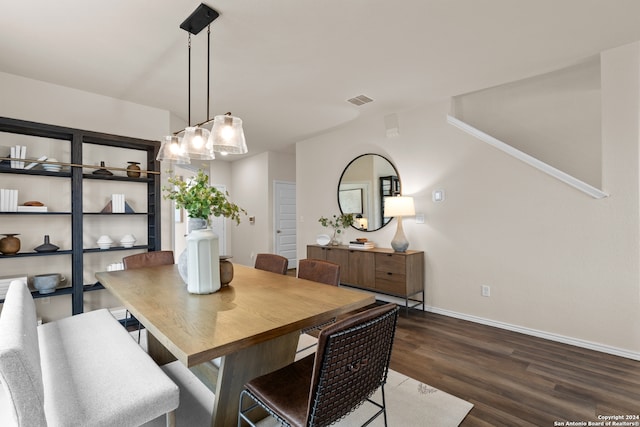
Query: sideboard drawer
[
  {"x": 391, "y": 263},
  {"x": 390, "y": 282}
]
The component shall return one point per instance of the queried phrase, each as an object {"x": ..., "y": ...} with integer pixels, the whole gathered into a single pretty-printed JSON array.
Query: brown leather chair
[
  {"x": 322, "y": 272},
  {"x": 272, "y": 262},
  {"x": 319, "y": 271},
  {"x": 351, "y": 363},
  {"x": 147, "y": 259}
]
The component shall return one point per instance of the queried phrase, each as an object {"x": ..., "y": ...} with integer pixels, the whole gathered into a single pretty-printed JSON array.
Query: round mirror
[{"x": 363, "y": 185}]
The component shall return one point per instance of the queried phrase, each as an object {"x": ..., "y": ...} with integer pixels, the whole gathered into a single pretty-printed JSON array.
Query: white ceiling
[{"x": 287, "y": 67}]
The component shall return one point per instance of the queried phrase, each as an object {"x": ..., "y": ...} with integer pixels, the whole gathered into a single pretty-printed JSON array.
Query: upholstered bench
[{"x": 83, "y": 370}]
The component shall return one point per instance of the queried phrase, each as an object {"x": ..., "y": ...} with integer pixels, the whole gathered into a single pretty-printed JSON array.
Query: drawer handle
[{"x": 389, "y": 273}]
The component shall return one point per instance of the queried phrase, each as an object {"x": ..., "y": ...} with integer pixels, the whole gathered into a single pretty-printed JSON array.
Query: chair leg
[
  {"x": 126, "y": 318},
  {"x": 138, "y": 332},
  {"x": 171, "y": 419},
  {"x": 384, "y": 406},
  {"x": 242, "y": 414}
]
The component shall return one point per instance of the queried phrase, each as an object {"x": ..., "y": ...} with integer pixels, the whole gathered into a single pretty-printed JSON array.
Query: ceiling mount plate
[{"x": 200, "y": 18}]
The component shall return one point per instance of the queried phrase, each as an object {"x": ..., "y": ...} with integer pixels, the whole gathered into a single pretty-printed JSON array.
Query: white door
[{"x": 285, "y": 221}]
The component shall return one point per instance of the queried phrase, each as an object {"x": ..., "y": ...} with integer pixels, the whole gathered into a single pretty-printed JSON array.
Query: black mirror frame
[{"x": 397, "y": 175}]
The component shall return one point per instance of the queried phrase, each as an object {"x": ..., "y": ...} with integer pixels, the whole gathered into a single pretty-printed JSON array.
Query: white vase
[{"x": 203, "y": 262}]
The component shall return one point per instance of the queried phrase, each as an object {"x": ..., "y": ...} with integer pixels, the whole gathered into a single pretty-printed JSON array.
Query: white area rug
[{"x": 409, "y": 403}]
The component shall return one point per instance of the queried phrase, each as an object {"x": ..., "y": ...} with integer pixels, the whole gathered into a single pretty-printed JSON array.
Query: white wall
[
  {"x": 42, "y": 102},
  {"x": 253, "y": 190},
  {"x": 560, "y": 263},
  {"x": 566, "y": 127},
  {"x": 250, "y": 191}
]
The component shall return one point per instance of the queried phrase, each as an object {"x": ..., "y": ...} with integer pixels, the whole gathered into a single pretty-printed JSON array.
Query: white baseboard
[
  {"x": 540, "y": 334},
  {"x": 527, "y": 331}
]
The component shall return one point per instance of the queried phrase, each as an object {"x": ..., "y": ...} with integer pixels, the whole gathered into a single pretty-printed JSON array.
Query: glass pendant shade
[
  {"x": 194, "y": 143},
  {"x": 171, "y": 149},
  {"x": 227, "y": 135}
]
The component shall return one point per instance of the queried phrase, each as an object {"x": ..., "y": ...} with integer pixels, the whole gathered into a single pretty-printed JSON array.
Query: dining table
[{"x": 251, "y": 326}]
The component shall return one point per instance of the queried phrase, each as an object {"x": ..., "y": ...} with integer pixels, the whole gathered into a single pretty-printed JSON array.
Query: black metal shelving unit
[{"x": 78, "y": 139}]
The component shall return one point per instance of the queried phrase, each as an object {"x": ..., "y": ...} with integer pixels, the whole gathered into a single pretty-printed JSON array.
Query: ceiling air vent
[{"x": 360, "y": 100}]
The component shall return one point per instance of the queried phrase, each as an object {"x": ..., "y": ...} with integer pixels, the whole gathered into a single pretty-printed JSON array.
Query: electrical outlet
[{"x": 485, "y": 291}]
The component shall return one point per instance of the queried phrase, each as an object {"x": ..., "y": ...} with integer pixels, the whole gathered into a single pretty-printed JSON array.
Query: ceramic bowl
[
  {"x": 128, "y": 241},
  {"x": 47, "y": 283},
  {"x": 104, "y": 242},
  {"x": 323, "y": 239}
]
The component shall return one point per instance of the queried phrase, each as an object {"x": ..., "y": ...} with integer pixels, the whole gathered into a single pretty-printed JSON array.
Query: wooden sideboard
[{"x": 381, "y": 270}]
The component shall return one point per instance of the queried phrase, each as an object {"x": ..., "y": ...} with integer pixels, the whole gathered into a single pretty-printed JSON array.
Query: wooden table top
[{"x": 256, "y": 306}]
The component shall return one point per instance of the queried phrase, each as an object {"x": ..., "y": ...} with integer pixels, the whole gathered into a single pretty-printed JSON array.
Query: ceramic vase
[
  {"x": 203, "y": 262},
  {"x": 10, "y": 244},
  {"x": 226, "y": 270},
  {"x": 46, "y": 246},
  {"x": 133, "y": 170}
]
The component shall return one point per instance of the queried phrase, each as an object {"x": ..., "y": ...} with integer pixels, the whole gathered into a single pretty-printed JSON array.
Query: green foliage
[
  {"x": 337, "y": 222},
  {"x": 200, "y": 199}
]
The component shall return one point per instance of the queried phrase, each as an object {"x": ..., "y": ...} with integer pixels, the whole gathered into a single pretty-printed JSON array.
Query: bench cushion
[
  {"x": 20, "y": 371},
  {"x": 95, "y": 374}
]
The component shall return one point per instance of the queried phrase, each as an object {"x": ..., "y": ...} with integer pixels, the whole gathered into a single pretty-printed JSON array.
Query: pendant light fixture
[{"x": 197, "y": 142}]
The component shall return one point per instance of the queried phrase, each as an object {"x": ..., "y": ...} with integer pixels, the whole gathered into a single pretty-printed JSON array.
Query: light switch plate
[{"x": 438, "y": 195}]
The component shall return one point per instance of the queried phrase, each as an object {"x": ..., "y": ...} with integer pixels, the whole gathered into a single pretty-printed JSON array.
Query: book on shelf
[
  {"x": 33, "y": 209},
  {"x": 33, "y": 164},
  {"x": 117, "y": 203},
  {"x": 8, "y": 200},
  {"x": 361, "y": 245},
  {"x": 23, "y": 155},
  {"x": 18, "y": 154}
]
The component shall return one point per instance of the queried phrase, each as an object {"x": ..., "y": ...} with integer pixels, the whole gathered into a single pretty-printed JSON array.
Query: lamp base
[{"x": 399, "y": 242}]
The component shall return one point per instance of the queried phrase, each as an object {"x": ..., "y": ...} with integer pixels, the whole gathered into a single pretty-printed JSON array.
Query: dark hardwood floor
[{"x": 514, "y": 379}]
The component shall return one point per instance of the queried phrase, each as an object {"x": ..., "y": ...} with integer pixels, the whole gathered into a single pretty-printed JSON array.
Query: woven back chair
[
  {"x": 147, "y": 259},
  {"x": 272, "y": 262},
  {"x": 351, "y": 363}
]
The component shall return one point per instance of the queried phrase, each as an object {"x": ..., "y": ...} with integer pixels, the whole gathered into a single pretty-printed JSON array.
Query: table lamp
[{"x": 399, "y": 206}]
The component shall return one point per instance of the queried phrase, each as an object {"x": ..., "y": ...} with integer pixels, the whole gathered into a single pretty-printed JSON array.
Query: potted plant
[
  {"x": 200, "y": 199},
  {"x": 199, "y": 264},
  {"x": 338, "y": 223}
]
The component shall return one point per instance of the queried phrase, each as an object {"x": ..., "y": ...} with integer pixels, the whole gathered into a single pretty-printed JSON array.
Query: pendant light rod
[
  {"x": 208, "y": 67},
  {"x": 189, "y": 85}
]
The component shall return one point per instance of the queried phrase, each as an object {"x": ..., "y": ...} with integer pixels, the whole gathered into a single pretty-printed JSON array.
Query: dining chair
[
  {"x": 319, "y": 271},
  {"x": 147, "y": 259},
  {"x": 272, "y": 262},
  {"x": 351, "y": 363}
]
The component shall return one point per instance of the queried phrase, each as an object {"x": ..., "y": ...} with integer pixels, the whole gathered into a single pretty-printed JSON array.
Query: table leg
[
  {"x": 239, "y": 367},
  {"x": 157, "y": 351}
]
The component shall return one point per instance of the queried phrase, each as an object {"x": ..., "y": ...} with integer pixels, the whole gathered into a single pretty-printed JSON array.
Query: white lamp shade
[
  {"x": 399, "y": 206},
  {"x": 171, "y": 150},
  {"x": 227, "y": 135},
  {"x": 194, "y": 143}
]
